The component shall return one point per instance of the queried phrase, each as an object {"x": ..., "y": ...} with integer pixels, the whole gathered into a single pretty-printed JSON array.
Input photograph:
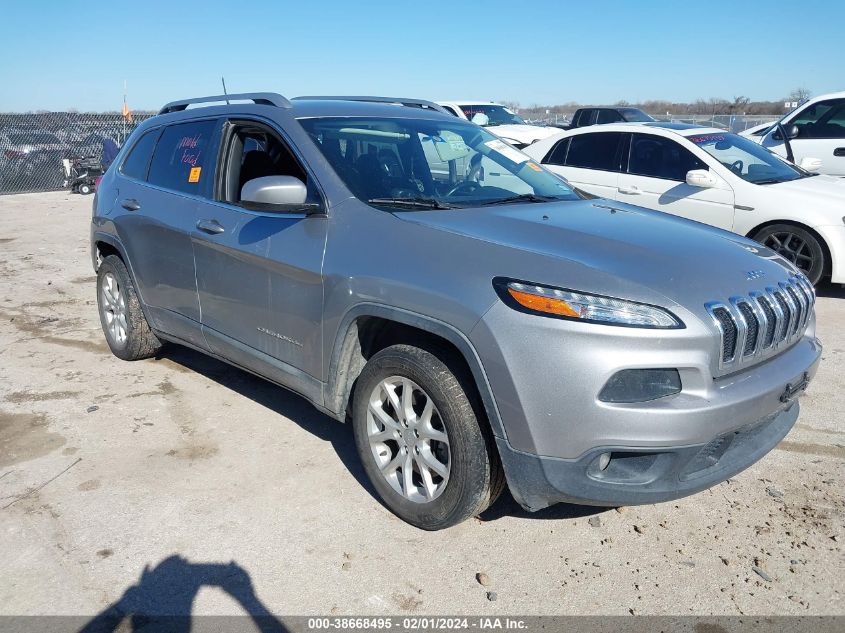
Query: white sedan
[
  {"x": 500, "y": 120},
  {"x": 711, "y": 176}
]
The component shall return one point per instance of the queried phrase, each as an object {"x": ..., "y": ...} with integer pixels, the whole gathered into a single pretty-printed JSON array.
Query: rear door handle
[
  {"x": 839, "y": 151},
  {"x": 631, "y": 190},
  {"x": 212, "y": 227},
  {"x": 130, "y": 204}
]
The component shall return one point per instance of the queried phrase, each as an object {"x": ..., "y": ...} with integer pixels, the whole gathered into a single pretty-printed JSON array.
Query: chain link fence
[{"x": 45, "y": 151}]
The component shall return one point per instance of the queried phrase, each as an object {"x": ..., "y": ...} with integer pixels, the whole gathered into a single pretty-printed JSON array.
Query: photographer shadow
[{"x": 163, "y": 597}]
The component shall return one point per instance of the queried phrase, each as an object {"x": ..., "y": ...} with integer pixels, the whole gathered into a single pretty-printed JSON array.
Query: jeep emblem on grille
[{"x": 754, "y": 274}]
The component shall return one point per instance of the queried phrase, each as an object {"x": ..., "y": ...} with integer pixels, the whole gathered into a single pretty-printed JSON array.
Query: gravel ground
[{"x": 205, "y": 488}]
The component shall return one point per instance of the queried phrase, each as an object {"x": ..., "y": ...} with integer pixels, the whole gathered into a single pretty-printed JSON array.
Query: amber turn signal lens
[{"x": 543, "y": 304}]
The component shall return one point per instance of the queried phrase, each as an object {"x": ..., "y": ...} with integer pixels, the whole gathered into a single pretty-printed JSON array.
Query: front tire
[
  {"x": 420, "y": 440},
  {"x": 798, "y": 245},
  {"x": 127, "y": 332}
]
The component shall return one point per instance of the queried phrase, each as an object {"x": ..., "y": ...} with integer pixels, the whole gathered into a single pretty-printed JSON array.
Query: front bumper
[
  {"x": 636, "y": 476},
  {"x": 546, "y": 376}
]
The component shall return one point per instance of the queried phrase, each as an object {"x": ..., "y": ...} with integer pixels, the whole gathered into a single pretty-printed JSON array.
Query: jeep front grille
[{"x": 754, "y": 326}]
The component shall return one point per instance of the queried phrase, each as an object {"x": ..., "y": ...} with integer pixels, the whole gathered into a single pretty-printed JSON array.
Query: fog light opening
[
  {"x": 641, "y": 385},
  {"x": 604, "y": 461}
]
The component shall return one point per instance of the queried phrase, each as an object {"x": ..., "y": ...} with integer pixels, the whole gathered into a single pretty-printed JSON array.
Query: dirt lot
[{"x": 233, "y": 494}]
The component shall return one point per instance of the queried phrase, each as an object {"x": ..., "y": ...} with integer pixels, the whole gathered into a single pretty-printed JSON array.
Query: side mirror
[
  {"x": 701, "y": 178},
  {"x": 279, "y": 194},
  {"x": 810, "y": 164},
  {"x": 791, "y": 132},
  {"x": 282, "y": 190}
]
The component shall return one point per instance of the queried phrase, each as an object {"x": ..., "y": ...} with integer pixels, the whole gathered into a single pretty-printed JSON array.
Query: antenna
[{"x": 223, "y": 79}]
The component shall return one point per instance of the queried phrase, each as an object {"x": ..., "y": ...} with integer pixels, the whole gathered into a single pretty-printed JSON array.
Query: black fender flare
[
  {"x": 114, "y": 241},
  {"x": 338, "y": 387}
]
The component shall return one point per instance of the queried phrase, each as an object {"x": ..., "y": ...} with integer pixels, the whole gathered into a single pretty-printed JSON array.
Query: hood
[
  {"x": 523, "y": 133},
  {"x": 616, "y": 249},
  {"x": 827, "y": 187}
]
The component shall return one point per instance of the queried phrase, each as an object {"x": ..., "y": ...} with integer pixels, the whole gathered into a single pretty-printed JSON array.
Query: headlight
[{"x": 581, "y": 306}]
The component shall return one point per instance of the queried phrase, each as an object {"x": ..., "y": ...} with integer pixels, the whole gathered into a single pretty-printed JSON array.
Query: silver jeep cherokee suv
[{"x": 480, "y": 322}]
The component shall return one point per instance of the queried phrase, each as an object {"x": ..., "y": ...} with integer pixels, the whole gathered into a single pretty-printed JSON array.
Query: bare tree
[{"x": 800, "y": 95}]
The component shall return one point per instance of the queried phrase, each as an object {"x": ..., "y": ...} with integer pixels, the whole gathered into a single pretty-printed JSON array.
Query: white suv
[
  {"x": 816, "y": 129},
  {"x": 500, "y": 120}
]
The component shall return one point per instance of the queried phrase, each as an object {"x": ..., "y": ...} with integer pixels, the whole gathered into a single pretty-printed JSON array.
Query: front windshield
[
  {"x": 635, "y": 115},
  {"x": 747, "y": 159},
  {"x": 418, "y": 163},
  {"x": 490, "y": 114}
]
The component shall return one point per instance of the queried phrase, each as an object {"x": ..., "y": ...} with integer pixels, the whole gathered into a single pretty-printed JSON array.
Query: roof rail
[
  {"x": 259, "y": 98},
  {"x": 410, "y": 103}
]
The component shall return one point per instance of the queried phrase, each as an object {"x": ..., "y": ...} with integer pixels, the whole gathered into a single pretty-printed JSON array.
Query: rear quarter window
[
  {"x": 138, "y": 159},
  {"x": 184, "y": 157},
  {"x": 557, "y": 155}
]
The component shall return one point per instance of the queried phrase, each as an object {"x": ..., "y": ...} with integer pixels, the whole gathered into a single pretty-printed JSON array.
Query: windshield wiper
[
  {"x": 412, "y": 203},
  {"x": 523, "y": 197},
  {"x": 770, "y": 181}
]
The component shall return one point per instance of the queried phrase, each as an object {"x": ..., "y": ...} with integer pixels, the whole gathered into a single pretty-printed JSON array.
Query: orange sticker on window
[
  {"x": 194, "y": 176},
  {"x": 535, "y": 166}
]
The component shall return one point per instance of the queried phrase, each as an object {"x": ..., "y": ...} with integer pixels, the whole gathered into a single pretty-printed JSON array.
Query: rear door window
[
  {"x": 138, "y": 159},
  {"x": 596, "y": 150},
  {"x": 184, "y": 157}
]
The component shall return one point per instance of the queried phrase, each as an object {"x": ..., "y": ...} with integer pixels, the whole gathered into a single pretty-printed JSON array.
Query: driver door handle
[
  {"x": 130, "y": 204},
  {"x": 839, "y": 151},
  {"x": 212, "y": 227},
  {"x": 631, "y": 190}
]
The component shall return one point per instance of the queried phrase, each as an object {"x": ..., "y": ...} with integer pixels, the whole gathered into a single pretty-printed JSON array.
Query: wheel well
[
  {"x": 368, "y": 335},
  {"x": 825, "y": 248},
  {"x": 104, "y": 249}
]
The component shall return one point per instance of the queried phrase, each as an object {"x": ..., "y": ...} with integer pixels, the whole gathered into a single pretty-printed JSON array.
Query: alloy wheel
[
  {"x": 792, "y": 247},
  {"x": 114, "y": 308},
  {"x": 408, "y": 439}
]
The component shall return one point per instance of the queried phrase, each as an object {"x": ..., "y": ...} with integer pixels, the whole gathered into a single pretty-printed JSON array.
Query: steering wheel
[
  {"x": 463, "y": 188},
  {"x": 736, "y": 167}
]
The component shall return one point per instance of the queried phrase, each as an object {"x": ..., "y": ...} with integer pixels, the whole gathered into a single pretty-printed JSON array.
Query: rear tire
[
  {"x": 797, "y": 245},
  {"x": 126, "y": 329},
  {"x": 454, "y": 472},
  {"x": 84, "y": 189}
]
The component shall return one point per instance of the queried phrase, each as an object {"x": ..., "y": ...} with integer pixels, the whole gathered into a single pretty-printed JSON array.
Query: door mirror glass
[
  {"x": 792, "y": 131},
  {"x": 701, "y": 178},
  {"x": 283, "y": 191}
]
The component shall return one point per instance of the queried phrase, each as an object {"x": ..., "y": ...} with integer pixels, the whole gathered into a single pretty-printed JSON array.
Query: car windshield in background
[
  {"x": 428, "y": 164},
  {"x": 634, "y": 115},
  {"x": 747, "y": 159},
  {"x": 495, "y": 115}
]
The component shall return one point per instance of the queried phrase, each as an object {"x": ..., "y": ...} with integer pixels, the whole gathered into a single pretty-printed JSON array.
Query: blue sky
[{"x": 59, "y": 55}]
